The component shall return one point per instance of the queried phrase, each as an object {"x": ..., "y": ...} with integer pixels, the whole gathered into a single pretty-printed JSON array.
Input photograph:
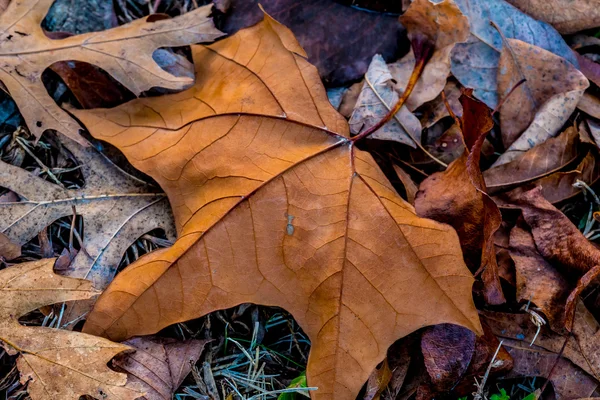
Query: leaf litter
[{"x": 534, "y": 264}]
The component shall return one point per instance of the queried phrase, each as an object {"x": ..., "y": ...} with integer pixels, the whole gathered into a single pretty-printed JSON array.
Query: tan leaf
[
  {"x": 275, "y": 205},
  {"x": 159, "y": 365},
  {"x": 58, "y": 364},
  {"x": 565, "y": 15},
  {"x": 590, "y": 105},
  {"x": 375, "y": 100},
  {"x": 548, "y": 157},
  {"x": 124, "y": 52},
  {"x": 8, "y": 248},
  {"x": 116, "y": 207},
  {"x": 436, "y": 109},
  {"x": 547, "y": 76}
]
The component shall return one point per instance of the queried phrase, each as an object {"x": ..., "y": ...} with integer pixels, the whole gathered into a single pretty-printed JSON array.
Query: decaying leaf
[
  {"x": 568, "y": 381},
  {"x": 375, "y": 100},
  {"x": 8, "y": 249},
  {"x": 447, "y": 352},
  {"x": 475, "y": 63},
  {"x": 564, "y": 15},
  {"x": 57, "y": 364},
  {"x": 124, "y": 52},
  {"x": 467, "y": 207},
  {"x": 275, "y": 205},
  {"x": 116, "y": 208},
  {"x": 558, "y": 186},
  {"x": 546, "y": 76},
  {"x": 159, "y": 365},
  {"x": 556, "y": 238},
  {"x": 538, "y": 281},
  {"x": 548, "y": 157}
]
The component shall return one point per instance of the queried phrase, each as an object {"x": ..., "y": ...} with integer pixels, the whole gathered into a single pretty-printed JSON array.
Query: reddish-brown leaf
[
  {"x": 548, "y": 157},
  {"x": 447, "y": 352},
  {"x": 457, "y": 197},
  {"x": 556, "y": 238},
  {"x": 538, "y": 282}
]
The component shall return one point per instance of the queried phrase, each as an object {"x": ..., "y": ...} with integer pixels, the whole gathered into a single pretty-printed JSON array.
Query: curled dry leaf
[
  {"x": 274, "y": 205},
  {"x": 375, "y": 100},
  {"x": 556, "y": 238},
  {"x": 564, "y": 15},
  {"x": 57, "y": 364},
  {"x": 447, "y": 352},
  {"x": 442, "y": 23},
  {"x": 116, "y": 208},
  {"x": 538, "y": 281},
  {"x": 546, "y": 76},
  {"x": 8, "y": 249},
  {"x": 467, "y": 207},
  {"x": 589, "y": 68},
  {"x": 548, "y": 157},
  {"x": 159, "y": 365},
  {"x": 124, "y": 52},
  {"x": 558, "y": 186},
  {"x": 475, "y": 63}
]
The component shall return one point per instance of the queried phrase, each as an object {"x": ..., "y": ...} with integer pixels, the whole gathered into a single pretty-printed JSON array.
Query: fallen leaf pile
[{"x": 442, "y": 251}]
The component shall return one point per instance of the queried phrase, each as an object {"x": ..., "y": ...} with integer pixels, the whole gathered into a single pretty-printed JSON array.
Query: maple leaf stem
[{"x": 422, "y": 51}]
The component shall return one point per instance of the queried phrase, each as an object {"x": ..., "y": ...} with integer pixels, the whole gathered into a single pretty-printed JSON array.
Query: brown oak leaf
[{"x": 275, "y": 205}]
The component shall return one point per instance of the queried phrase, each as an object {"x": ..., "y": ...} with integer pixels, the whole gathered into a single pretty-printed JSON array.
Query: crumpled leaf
[
  {"x": 124, "y": 52},
  {"x": 475, "y": 63},
  {"x": 323, "y": 29},
  {"x": 410, "y": 186},
  {"x": 159, "y": 365},
  {"x": 457, "y": 197},
  {"x": 116, "y": 208},
  {"x": 538, "y": 281},
  {"x": 568, "y": 381},
  {"x": 375, "y": 100},
  {"x": 556, "y": 238},
  {"x": 273, "y": 209},
  {"x": 444, "y": 24},
  {"x": 558, "y": 186},
  {"x": 546, "y": 76},
  {"x": 548, "y": 157},
  {"x": 519, "y": 327},
  {"x": 8, "y": 249},
  {"x": 57, "y": 364},
  {"x": 565, "y": 16},
  {"x": 447, "y": 352}
]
